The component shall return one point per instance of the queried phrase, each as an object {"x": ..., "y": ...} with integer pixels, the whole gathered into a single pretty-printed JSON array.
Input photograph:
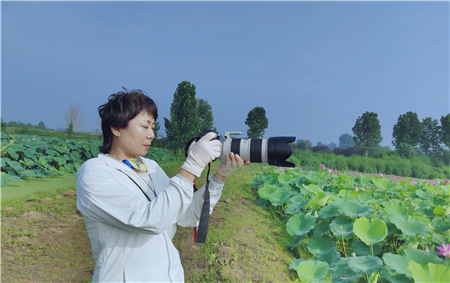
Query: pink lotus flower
[
  {"x": 381, "y": 175},
  {"x": 413, "y": 183},
  {"x": 446, "y": 182},
  {"x": 444, "y": 250},
  {"x": 322, "y": 166},
  {"x": 329, "y": 170},
  {"x": 394, "y": 179},
  {"x": 435, "y": 183},
  {"x": 356, "y": 188}
]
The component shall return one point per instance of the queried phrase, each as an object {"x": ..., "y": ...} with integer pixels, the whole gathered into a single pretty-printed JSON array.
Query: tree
[
  {"x": 41, "y": 125},
  {"x": 4, "y": 125},
  {"x": 444, "y": 130},
  {"x": 157, "y": 128},
  {"x": 301, "y": 144},
  {"x": 319, "y": 143},
  {"x": 257, "y": 122},
  {"x": 184, "y": 121},
  {"x": 430, "y": 137},
  {"x": 346, "y": 141},
  {"x": 332, "y": 146},
  {"x": 367, "y": 131},
  {"x": 13, "y": 124},
  {"x": 408, "y": 129},
  {"x": 74, "y": 118},
  {"x": 205, "y": 115}
]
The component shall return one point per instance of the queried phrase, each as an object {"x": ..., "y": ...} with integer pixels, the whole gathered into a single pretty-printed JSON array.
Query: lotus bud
[
  {"x": 376, "y": 206},
  {"x": 426, "y": 249},
  {"x": 356, "y": 188},
  {"x": 407, "y": 209},
  {"x": 415, "y": 207}
]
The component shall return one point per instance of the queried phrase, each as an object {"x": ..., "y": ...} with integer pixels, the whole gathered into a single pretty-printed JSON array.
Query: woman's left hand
[{"x": 232, "y": 163}]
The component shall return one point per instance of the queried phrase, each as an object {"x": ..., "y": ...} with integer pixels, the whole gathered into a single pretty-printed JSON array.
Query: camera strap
[{"x": 201, "y": 231}]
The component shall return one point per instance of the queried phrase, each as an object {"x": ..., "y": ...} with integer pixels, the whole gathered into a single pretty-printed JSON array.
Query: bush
[{"x": 321, "y": 148}]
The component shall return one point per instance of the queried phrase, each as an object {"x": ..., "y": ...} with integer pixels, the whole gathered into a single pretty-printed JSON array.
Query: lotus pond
[{"x": 361, "y": 228}]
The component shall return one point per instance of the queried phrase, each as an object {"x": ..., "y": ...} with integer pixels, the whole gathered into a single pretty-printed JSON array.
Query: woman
[{"x": 130, "y": 206}]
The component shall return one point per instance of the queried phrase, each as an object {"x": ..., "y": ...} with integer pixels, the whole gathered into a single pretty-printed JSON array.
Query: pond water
[{"x": 13, "y": 189}]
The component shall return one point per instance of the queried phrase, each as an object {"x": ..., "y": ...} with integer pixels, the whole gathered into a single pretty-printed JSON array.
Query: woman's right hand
[{"x": 201, "y": 153}]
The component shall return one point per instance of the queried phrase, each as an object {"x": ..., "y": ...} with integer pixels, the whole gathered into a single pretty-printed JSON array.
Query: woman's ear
[{"x": 115, "y": 131}]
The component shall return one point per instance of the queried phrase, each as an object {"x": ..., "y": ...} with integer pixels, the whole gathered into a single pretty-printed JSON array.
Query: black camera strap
[{"x": 201, "y": 231}]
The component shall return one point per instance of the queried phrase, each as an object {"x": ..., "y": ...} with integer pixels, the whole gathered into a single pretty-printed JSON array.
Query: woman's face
[{"x": 136, "y": 138}]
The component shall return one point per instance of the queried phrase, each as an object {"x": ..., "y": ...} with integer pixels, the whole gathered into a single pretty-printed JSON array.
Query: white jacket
[{"x": 131, "y": 237}]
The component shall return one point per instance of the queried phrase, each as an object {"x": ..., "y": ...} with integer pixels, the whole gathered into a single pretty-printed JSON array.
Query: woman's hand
[{"x": 232, "y": 163}]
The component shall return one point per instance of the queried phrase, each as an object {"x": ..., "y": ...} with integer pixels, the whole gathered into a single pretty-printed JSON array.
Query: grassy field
[{"x": 44, "y": 238}]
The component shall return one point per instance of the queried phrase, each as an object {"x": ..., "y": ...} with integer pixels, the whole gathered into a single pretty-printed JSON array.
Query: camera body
[{"x": 274, "y": 150}]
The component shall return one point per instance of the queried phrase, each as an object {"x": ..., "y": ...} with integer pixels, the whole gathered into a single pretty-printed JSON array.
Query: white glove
[
  {"x": 201, "y": 153},
  {"x": 228, "y": 166}
]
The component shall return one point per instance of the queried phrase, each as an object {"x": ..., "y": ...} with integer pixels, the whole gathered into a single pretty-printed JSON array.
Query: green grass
[
  {"x": 44, "y": 238},
  {"x": 14, "y": 189}
]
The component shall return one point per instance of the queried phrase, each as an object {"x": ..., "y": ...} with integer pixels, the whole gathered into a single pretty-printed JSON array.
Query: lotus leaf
[
  {"x": 300, "y": 224},
  {"x": 266, "y": 191},
  {"x": 16, "y": 166},
  {"x": 4, "y": 178},
  {"x": 341, "y": 272},
  {"x": 318, "y": 245},
  {"x": 441, "y": 210},
  {"x": 354, "y": 209},
  {"x": 328, "y": 211},
  {"x": 294, "y": 264},
  {"x": 284, "y": 178},
  {"x": 319, "y": 200},
  {"x": 321, "y": 228},
  {"x": 370, "y": 231},
  {"x": 422, "y": 194},
  {"x": 361, "y": 249},
  {"x": 429, "y": 273},
  {"x": 312, "y": 271},
  {"x": 395, "y": 277},
  {"x": 384, "y": 184},
  {"x": 279, "y": 196},
  {"x": 400, "y": 262},
  {"x": 347, "y": 227},
  {"x": 295, "y": 242},
  {"x": 295, "y": 207},
  {"x": 366, "y": 264},
  {"x": 331, "y": 256},
  {"x": 411, "y": 226},
  {"x": 399, "y": 208},
  {"x": 312, "y": 188}
]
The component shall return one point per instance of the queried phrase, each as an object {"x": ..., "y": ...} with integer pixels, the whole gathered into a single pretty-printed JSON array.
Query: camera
[{"x": 274, "y": 150}]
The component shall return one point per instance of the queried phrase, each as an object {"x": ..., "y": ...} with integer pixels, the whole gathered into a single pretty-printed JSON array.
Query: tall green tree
[
  {"x": 430, "y": 137},
  {"x": 444, "y": 130},
  {"x": 367, "y": 131},
  {"x": 4, "y": 125},
  {"x": 157, "y": 128},
  {"x": 205, "y": 115},
  {"x": 184, "y": 121},
  {"x": 346, "y": 141},
  {"x": 257, "y": 123},
  {"x": 41, "y": 125},
  {"x": 408, "y": 129}
]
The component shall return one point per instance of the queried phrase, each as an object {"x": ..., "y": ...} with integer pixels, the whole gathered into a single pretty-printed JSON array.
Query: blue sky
[{"x": 314, "y": 66}]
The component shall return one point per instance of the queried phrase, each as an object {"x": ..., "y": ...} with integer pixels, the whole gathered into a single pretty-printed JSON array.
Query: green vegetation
[
  {"x": 30, "y": 156},
  {"x": 360, "y": 229},
  {"x": 257, "y": 123},
  {"x": 386, "y": 162}
]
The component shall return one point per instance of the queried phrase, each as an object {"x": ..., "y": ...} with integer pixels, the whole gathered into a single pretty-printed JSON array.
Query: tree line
[{"x": 410, "y": 137}]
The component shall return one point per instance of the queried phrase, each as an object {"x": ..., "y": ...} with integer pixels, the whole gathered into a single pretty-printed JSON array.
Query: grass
[{"x": 44, "y": 238}]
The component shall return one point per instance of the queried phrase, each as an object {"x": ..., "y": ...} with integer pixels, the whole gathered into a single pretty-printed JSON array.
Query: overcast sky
[{"x": 314, "y": 66}]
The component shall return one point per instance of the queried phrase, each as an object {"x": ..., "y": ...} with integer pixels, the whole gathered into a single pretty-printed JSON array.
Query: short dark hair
[{"x": 120, "y": 109}]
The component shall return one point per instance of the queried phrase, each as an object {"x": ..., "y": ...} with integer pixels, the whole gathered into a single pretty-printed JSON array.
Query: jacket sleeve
[
  {"x": 102, "y": 195},
  {"x": 191, "y": 217}
]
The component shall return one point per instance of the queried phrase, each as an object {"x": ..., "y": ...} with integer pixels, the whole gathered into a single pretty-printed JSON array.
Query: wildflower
[
  {"x": 329, "y": 170},
  {"x": 446, "y": 182},
  {"x": 444, "y": 250},
  {"x": 356, "y": 188},
  {"x": 413, "y": 182},
  {"x": 322, "y": 166},
  {"x": 394, "y": 179}
]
